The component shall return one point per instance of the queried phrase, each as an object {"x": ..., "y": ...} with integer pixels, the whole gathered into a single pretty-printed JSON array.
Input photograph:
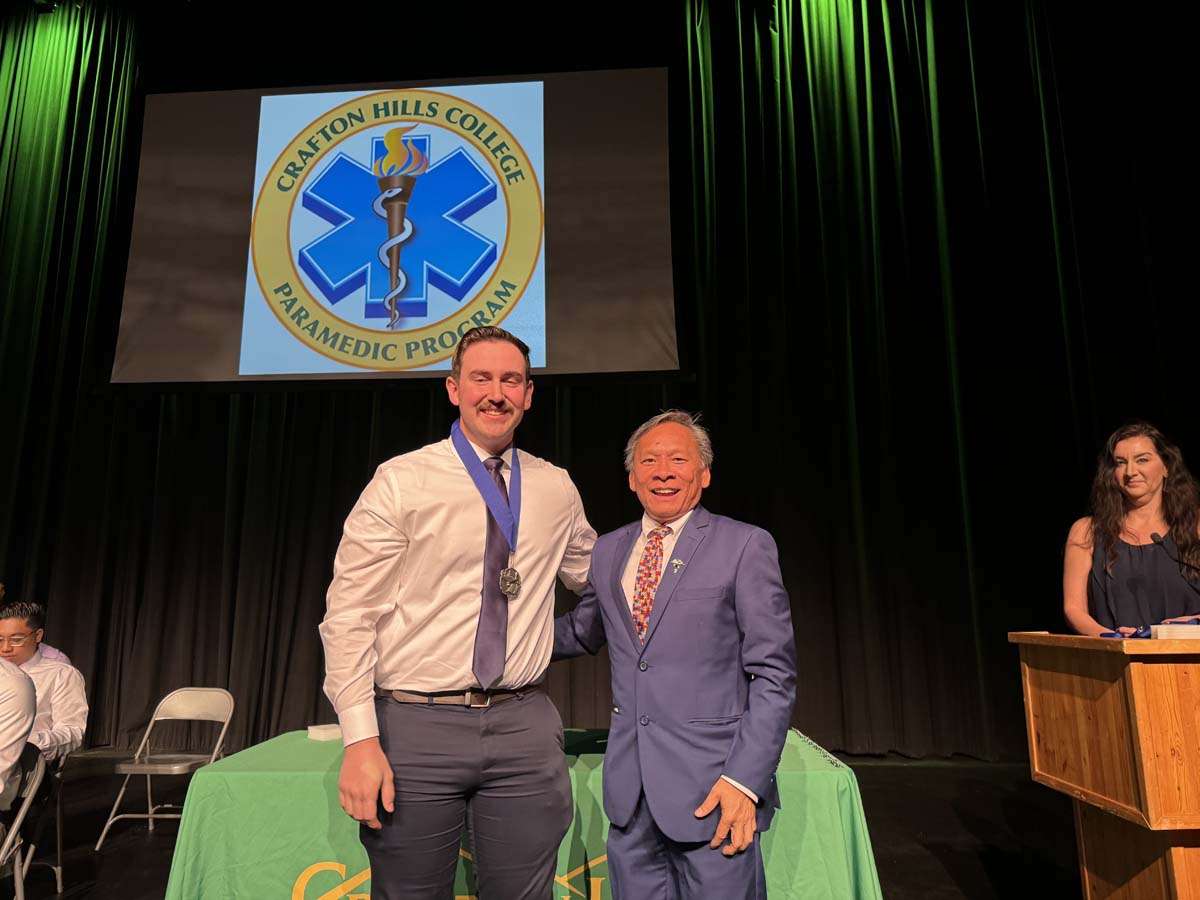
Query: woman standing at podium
[{"x": 1136, "y": 559}]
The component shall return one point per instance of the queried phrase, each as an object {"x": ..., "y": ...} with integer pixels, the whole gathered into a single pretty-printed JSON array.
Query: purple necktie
[{"x": 491, "y": 635}]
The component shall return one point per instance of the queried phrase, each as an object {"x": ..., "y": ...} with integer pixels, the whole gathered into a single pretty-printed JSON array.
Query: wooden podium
[{"x": 1116, "y": 724}]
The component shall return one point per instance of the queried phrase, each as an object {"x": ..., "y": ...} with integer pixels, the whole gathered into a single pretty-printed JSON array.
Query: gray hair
[{"x": 678, "y": 417}]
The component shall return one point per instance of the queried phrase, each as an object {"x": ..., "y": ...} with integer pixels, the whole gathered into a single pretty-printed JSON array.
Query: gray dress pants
[{"x": 500, "y": 769}]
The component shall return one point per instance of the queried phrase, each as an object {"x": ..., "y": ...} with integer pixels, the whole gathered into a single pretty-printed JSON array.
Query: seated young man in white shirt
[{"x": 61, "y": 702}]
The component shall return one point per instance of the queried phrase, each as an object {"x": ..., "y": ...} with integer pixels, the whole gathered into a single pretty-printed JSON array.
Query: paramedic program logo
[{"x": 392, "y": 224}]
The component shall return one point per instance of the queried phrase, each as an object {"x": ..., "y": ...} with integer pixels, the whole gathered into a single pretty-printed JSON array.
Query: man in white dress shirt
[
  {"x": 61, "y": 701},
  {"x": 18, "y": 704},
  {"x": 437, "y": 634}
]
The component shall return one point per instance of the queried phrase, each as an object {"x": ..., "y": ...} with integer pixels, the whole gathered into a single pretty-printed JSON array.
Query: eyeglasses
[{"x": 17, "y": 640}]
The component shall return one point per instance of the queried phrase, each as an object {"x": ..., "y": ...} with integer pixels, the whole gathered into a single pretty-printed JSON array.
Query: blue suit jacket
[{"x": 710, "y": 692}]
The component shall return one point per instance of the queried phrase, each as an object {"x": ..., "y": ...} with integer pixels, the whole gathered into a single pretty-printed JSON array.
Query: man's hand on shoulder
[
  {"x": 738, "y": 819},
  {"x": 366, "y": 779}
]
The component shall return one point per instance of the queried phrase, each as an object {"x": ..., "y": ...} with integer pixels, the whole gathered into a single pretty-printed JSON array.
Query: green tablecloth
[{"x": 265, "y": 823}]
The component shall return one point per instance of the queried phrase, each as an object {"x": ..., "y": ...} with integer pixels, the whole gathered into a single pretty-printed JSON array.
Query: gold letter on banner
[
  {"x": 342, "y": 890},
  {"x": 594, "y": 886}
]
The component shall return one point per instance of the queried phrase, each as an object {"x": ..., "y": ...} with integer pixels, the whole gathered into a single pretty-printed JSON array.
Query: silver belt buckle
[{"x": 470, "y": 696}]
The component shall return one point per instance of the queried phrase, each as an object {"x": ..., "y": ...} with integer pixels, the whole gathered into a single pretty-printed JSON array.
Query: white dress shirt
[
  {"x": 629, "y": 580},
  {"x": 18, "y": 704},
  {"x": 61, "y": 706},
  {"x": 403, "y": 606}
]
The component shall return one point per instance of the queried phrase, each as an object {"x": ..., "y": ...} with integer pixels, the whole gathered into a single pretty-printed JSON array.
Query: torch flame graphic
[{"x": 402, "y": 158}]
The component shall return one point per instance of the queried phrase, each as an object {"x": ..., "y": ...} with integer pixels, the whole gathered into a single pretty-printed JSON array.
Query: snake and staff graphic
[{"x": 396, "y": 172}]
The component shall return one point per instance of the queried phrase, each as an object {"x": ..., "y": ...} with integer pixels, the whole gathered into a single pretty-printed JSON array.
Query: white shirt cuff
[
  {"x": 741, "y": 787},
  {"x": 358, "y": 723}
]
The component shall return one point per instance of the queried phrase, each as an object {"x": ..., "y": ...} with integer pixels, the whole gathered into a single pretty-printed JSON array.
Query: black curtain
[{"x": 926, "y": 256}]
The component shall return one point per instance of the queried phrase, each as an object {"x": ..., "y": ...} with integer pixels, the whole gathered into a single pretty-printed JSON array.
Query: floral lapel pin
[{"x": 676, "y": 565}]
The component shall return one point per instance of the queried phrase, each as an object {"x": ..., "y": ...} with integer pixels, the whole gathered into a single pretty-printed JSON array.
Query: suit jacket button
[
  {"x": 642, "y": 665},
  {"x": 645, "y": 720}
]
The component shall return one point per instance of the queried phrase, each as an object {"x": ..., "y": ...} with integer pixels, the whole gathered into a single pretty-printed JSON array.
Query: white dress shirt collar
[
  {"x": 484, "y": 455},
  {"x": 649, "y": 524}
]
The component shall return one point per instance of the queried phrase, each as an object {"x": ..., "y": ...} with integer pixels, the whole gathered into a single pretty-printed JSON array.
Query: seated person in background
[
  {"x": 1136, "y": 559},
  {"x": 61, "y": 703},
  {"x": 45, "y": 649},
  {"x": 17, "y": 706}
]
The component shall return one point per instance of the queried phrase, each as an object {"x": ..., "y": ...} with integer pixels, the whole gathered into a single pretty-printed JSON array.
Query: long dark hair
[{"x": 1180, "y": 498}]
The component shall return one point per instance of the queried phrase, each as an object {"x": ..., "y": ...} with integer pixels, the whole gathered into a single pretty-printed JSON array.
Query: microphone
[{"x": 1158, "y": 539}]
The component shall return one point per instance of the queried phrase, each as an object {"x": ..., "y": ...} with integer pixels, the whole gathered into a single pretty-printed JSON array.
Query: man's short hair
[
  {"x": 34, "y": 614},
  {"x": 679, "y": 417},
  {"x": 482, "y": 333}
]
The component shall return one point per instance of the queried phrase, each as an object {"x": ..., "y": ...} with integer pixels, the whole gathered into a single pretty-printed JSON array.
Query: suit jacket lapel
[
  {"x": 620, "y": 558},
  {"x": 685, "y": 548}
]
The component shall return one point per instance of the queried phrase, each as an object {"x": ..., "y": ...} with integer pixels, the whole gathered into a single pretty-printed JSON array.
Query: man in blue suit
[{"x": 699, "y": 633}]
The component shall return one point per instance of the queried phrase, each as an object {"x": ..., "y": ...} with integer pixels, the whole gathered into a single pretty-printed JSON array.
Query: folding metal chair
[
  {"x": 12, "y": 853},
  {"x": 186, "y": 704},
  {"x": 49, "y": 803}
]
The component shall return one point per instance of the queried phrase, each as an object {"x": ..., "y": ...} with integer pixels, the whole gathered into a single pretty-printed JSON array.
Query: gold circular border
[{"x": 520, "y": 205}]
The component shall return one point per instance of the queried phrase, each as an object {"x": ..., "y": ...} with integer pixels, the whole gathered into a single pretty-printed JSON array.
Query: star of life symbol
[{"x": 377, "y": 210}]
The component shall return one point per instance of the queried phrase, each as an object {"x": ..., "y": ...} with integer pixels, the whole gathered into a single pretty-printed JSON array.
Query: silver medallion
[{"x": 510, "y": 582}]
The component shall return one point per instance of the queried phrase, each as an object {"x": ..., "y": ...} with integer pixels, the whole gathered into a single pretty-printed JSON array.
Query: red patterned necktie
[{"x": 649, "y": 573}]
